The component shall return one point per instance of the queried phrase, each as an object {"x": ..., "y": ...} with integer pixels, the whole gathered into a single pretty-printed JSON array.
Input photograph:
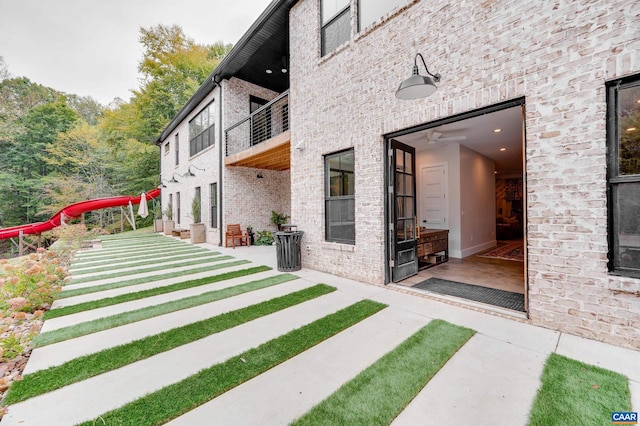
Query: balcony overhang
[{"x": 272, "y": 154}]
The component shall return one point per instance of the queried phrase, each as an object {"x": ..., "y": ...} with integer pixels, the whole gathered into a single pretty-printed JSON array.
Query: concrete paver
[
  {"x": 111, "y": 390},
  {"x": 486, "y": 379},
  {"x": 59, "y": 353},
  {"x": 307, "y": 379}
]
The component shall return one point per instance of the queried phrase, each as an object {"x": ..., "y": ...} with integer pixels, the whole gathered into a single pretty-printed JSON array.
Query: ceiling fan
[{"x": 434, "y": 137}]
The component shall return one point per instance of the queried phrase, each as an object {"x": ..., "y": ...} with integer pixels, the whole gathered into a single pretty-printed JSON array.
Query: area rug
[
  {"x": 491, "y": 296},
  {"x": 510, "y": 251}
]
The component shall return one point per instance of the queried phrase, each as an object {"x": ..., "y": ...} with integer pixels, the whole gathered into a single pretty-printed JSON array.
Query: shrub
[
  {"x": 265, "y": 238},
  {"x": 31, "y": 284}
]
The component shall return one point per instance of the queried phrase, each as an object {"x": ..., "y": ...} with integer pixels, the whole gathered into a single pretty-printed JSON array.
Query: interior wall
[
  {"x": 477, "y": 202},
  {"x": 449, "y": 154}
]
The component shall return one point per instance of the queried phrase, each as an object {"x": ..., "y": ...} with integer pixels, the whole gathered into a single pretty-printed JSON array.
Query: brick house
[{"x": 529, "y": 136}]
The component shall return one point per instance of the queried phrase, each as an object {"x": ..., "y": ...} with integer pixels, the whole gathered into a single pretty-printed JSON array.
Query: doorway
[{"x": 469, "y": 183}]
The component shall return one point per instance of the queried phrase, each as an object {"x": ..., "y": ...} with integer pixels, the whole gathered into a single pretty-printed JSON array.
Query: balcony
[{"x": 262, "y": 140}]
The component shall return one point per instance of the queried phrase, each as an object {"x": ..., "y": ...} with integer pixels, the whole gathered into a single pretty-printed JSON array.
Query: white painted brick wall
[{"x": 557, "y": 55}]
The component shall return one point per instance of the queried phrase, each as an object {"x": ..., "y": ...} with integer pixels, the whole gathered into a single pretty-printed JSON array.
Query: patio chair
[{"x": 235, "y": 233}]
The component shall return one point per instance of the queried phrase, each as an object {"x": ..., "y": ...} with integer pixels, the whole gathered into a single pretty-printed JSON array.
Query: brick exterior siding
[{"x": 557, "y": 55}]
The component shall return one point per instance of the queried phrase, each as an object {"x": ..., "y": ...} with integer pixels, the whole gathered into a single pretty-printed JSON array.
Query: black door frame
[{"x": 429, "y": 125}]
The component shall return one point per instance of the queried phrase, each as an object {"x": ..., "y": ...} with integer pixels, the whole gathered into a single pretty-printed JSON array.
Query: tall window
[
  {"x": 370, "y": 11},
  {"x": 336, "y": 24},
  {"x": 197, "y": 218},
  {"x": 170, "y": 205},
  {"x": 213, "y": 188},
  {"x": 178, "y": 208},
  {"x": 340, "y": 197},
  {"x": 166, "y": 148},
  {"x": 623, "y": 175},
  {"x": 202, "y": 130},
  {"x": 176, "y": 144}
]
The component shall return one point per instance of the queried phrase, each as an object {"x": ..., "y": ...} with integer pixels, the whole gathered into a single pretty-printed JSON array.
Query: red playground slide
[{"x": 73, "y": 211}]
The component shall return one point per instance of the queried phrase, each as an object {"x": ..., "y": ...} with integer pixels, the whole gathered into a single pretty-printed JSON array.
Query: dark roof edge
[{"x": 214, "y": 78}]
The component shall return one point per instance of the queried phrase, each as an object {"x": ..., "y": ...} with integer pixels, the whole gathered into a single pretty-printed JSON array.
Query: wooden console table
[{"x": 433, "y": 247}]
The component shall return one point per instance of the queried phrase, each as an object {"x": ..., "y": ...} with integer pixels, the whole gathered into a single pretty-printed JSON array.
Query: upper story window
[
  {"x": 202, "y": 130},
  {"x": 370, "y": 11},
  {"x": 166, "y": 148},
  {"x": 623, "y": 175},
  {"x": 336, "y": 24},
  {"x": 177, "y": 147},
  {"x": 340, "y": 203}
]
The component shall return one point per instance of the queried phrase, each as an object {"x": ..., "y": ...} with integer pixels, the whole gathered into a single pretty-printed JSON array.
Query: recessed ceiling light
[
  {"x": 284, "y": 70},
  {"x": 268, "y": 71},
  {"x": 497, "y": 130},
  {"x": 638, "y": 101},
  {"x": 503, "y": 149},
  {"x": 631, "y": 129}
]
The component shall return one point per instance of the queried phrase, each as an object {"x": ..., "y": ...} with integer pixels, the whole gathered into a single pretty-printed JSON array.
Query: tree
[{"x": 173, "y": 67}]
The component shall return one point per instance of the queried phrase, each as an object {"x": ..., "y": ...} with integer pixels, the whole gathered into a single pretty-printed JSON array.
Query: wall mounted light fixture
[
  {"x": 190, "y": 173},
  {"x": 173, "y": 178},
  {"x": 418, "y": 86}
]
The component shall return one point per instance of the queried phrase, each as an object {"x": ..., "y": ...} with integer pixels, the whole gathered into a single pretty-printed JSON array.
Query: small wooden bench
[{"x": 182, "y": 233}]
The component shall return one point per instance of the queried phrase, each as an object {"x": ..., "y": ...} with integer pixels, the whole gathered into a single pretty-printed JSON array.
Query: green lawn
[
  {"x": 574, "y": 393},
  {"x": 109, "y": 359},
  {"x": 379, "y": 393},
  {"x": 174, "y": 400},
  {"x": 127, "y": 297},
  {"x": 105, "y": 323}
]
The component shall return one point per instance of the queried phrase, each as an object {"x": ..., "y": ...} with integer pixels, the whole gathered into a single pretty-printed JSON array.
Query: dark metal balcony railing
[{"x": 265, "y": 123}]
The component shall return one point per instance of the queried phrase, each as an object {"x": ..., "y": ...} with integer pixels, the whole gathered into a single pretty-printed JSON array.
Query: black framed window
[
  {"x": 197, "y": 198},
  {"x": 340, "y": 197},
  {"x": 336, "y": 24},
  {"x": 213, "y": 188},
  {"x": 176, "y": 146},
  {"x": 202, "y": 130},
  {"x": 166, "y": 148},
  {"x": 178, "y": 208},
  {"x": 623, "y": 175},
  {"x": 370, "y": 11}
]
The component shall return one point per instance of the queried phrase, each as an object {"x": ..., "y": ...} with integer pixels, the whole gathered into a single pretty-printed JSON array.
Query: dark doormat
[{"x": 491, "y": 296}]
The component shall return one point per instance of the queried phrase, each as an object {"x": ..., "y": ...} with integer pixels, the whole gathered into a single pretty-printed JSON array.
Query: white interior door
[{"x": 434, "y": 202}]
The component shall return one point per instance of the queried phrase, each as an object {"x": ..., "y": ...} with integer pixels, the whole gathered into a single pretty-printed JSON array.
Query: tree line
[{"x": 58, "y": 148}]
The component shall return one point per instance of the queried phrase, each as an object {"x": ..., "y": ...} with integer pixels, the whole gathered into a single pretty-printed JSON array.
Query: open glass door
[{"x": 402, "y": 209}]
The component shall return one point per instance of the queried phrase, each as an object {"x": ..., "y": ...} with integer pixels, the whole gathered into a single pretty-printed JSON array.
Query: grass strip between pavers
[
  {"x": 154, "y": 268},
  {"x": 164, "y": 260},
  {"x": 103, "y": 252},
  {"x": 142, "y": 280},
  {"x": 82, "y": 368},
  {"x": 381, "y": 391},
  {"x": 127, "y": 297},
  {"x": 152, "y": 254},
  {"x": 574, "y": 393},
  {"x": 174, "y": 400},
  {"x": 104, "y": 323}
]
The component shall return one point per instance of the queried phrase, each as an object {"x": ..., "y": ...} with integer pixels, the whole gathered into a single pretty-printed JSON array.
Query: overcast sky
[{"x": 90, "y": 47}]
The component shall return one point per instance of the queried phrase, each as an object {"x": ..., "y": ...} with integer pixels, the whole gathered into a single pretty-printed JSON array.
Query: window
[
  {"x": 170, "y": 206},
  {"x": 202, "y": 130},
  {"x": 197, "y": 217},
  {"x": 370, "y": 11},
  {"x": 336, "y": 24},
  {"x": 166, "y": 148},
  {"x": 214, "y": 205},
  {"x": 623, "y": 175},
  {"x": 178, "y": 208},
  {"x": 176, "y": 139},
  {"x": 340, "y": 197}
]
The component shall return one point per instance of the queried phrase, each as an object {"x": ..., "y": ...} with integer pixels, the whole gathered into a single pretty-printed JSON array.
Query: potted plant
[
  {"x": 197, "y": 229},
  {"x": 168, "y": 223},
  {"x": 278, "y": 219},
  {"x": 158, "y": 223}
]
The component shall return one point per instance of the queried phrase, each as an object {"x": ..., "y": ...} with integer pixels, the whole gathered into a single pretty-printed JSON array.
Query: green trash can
[{"x": 288, "y": 250}]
